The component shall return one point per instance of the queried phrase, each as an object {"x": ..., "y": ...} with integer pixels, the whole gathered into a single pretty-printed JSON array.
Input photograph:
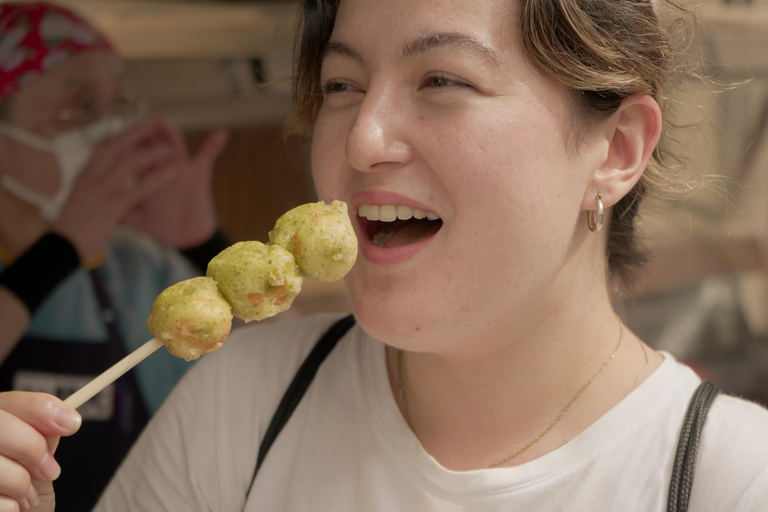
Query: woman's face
[
  {"x": 433, "y": 105},
  {"x": 72, "y": 94}
]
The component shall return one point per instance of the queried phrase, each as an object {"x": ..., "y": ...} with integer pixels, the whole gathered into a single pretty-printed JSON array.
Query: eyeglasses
[{"x": 130, "y": 106}]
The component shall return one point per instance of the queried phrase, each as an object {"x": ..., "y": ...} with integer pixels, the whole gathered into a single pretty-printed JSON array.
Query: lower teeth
[{"x": 383, "y": 236}]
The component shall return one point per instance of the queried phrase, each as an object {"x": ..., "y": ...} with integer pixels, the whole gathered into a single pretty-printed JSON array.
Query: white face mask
[{"x": 73, "y": 150}]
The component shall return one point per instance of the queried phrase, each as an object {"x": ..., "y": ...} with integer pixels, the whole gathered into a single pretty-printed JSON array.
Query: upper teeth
[{"x": 390, "y": 213}]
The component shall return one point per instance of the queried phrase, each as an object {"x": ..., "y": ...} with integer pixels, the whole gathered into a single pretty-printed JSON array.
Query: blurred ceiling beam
[
  {"x": 197, "y": 61},
  {"x": 173, "y": 29}
]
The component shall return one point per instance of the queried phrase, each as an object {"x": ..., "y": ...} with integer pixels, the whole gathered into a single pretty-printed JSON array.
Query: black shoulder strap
[
  {"x": 687, "y": 446},
  {"x": 298, "y": 387}
]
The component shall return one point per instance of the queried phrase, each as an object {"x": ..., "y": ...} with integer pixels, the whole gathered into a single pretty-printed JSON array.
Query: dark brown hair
[{"x": 602, "y": 50}]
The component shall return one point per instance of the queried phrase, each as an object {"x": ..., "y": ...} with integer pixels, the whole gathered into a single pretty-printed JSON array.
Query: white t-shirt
[{"x": 348, "y": 449}]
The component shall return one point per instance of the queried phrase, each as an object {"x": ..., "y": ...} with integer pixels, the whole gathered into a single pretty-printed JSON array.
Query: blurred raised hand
[
  {"x": 115, "y": 180},
  {"x": 181, "y": 211}
]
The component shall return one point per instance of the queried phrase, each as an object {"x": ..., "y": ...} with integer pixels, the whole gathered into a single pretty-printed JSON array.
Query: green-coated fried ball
[
  {"x": 192, "y": 317},
  {"x": 321, "y": 238},
  {"x": 258, "y": 280}
]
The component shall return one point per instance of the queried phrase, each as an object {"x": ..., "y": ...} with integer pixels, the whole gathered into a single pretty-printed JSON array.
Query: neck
[{"x": 469, "y": 410}]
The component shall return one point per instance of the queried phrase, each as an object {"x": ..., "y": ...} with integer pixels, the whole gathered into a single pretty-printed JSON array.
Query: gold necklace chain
[{"x": 403, "y": 399}]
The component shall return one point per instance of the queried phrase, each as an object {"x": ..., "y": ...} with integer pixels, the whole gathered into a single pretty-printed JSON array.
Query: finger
[
  {"x": 16, "y": 486},
  {"x": 137, "y": 134},
  {"x": 52, "y": 442},
  {"x": 133, "y": 168},
  {"x": 125, "y": 205},
  {"x": 46, "y": 496},
  {"x": 112, "y": 149},
  {"x": 149, "y": 184},
  {"x": 211, "y": 148},
  {"x": 25, "y": 420},
  {"x": 45, "y": 413},
  {"x": 122, "y": 203},
  {"x": 8, "y": 504},
  {"x": 131, "y": 219},
  {"x": 174, "y": 136}
]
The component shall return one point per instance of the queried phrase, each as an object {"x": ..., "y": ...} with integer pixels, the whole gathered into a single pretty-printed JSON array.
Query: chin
[
  {"x": 409, "y": 307},
  {"x": 401, "y": 324}
]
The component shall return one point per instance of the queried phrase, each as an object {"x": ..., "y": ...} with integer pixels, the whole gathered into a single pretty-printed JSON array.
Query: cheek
[
  {"x": 517, "y": 195},
  {"x": 328, "y": 158},
  {"x": 507, "y": 169}
]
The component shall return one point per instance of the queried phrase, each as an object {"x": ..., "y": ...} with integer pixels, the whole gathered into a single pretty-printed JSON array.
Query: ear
[{"x": 632, "y": 133}]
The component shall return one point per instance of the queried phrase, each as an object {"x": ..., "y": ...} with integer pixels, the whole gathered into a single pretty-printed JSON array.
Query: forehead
[
  {"x": 97, "y": 69},
  {"x": 406, "y": 25}
]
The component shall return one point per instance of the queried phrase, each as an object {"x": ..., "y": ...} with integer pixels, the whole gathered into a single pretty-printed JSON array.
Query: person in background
[{"x": 101, "y": 208}]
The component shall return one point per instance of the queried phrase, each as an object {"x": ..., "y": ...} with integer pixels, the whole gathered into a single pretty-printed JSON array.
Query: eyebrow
[
  {"x": 421, "y": 45},
  {"x": 343, "y": 49},
  {"x": 449, "y": 39}
]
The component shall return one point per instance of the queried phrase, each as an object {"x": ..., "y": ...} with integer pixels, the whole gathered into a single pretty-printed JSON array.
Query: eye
[
  {"x": 441, "y": 81},
  {"x": 82, "y": 112},
  {"x": 334, "y": 86},
  {"x": 89, "y": 110}
]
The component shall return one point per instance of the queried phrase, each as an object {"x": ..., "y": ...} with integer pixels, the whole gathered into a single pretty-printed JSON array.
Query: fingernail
[
  {"x": 32, "y": 496},
  {"x": 67, "y": 418},
  {"x": 50, "y": 468}
]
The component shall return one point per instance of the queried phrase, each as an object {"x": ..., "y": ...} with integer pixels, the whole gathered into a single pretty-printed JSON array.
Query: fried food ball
[
  {"x": 321, "y": 238},
  {"x": 192, "y": 317},
  {"x": 258, "y": 280}
]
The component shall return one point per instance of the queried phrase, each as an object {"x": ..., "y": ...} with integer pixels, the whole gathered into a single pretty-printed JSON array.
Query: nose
[{"x": 379, "y": 136}]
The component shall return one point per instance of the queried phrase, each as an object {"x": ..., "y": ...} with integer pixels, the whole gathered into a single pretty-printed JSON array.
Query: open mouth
[{"x": 391, "y": 226}]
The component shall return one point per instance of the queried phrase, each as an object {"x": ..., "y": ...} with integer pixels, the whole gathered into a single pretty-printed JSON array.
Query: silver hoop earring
[{"x": 596, "y": 225}]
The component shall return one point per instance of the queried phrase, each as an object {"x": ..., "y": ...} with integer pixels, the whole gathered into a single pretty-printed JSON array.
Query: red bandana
[{"x": 35, "y": 37}]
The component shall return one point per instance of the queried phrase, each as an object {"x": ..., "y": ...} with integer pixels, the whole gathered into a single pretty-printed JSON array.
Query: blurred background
[
  {"x": 704, "y": 297},
  {"x": 212, "y": 64}
]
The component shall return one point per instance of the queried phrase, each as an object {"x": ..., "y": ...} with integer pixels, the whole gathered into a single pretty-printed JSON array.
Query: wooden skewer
[{"x": 90, "y": 390}]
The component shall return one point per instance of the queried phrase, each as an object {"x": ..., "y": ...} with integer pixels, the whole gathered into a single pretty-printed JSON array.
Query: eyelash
[
  {"x": 333, "y": 86},
  {"x": 447, "y": 82}
]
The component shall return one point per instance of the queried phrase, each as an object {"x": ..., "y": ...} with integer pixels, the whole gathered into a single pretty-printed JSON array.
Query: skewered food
[
  {"x": 251, "y": 279},
  {"x": 255, "y": 280},
  {"x": 320, "y": 237},
  {"x": 258, "y": 280},
  {"x": 191, "y": 317}
]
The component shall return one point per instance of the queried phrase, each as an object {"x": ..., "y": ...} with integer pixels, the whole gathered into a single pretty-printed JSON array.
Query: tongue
[{"x": 410, "y": 233}]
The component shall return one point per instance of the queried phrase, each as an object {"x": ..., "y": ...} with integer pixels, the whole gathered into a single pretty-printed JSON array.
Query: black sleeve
[
  {"x": 202, "y": 254},
  {"x": 37, "y": 272}
]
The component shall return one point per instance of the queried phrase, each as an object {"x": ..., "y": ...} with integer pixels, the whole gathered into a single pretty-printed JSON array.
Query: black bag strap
[
  {"x": 298, "y": 387},
  {"x": 687, "y": 446}
]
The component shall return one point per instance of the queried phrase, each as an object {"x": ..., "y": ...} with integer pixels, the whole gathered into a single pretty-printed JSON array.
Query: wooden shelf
[
  {"x": 740, "y": 17},
  {"x": 737, "y": 36}
]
